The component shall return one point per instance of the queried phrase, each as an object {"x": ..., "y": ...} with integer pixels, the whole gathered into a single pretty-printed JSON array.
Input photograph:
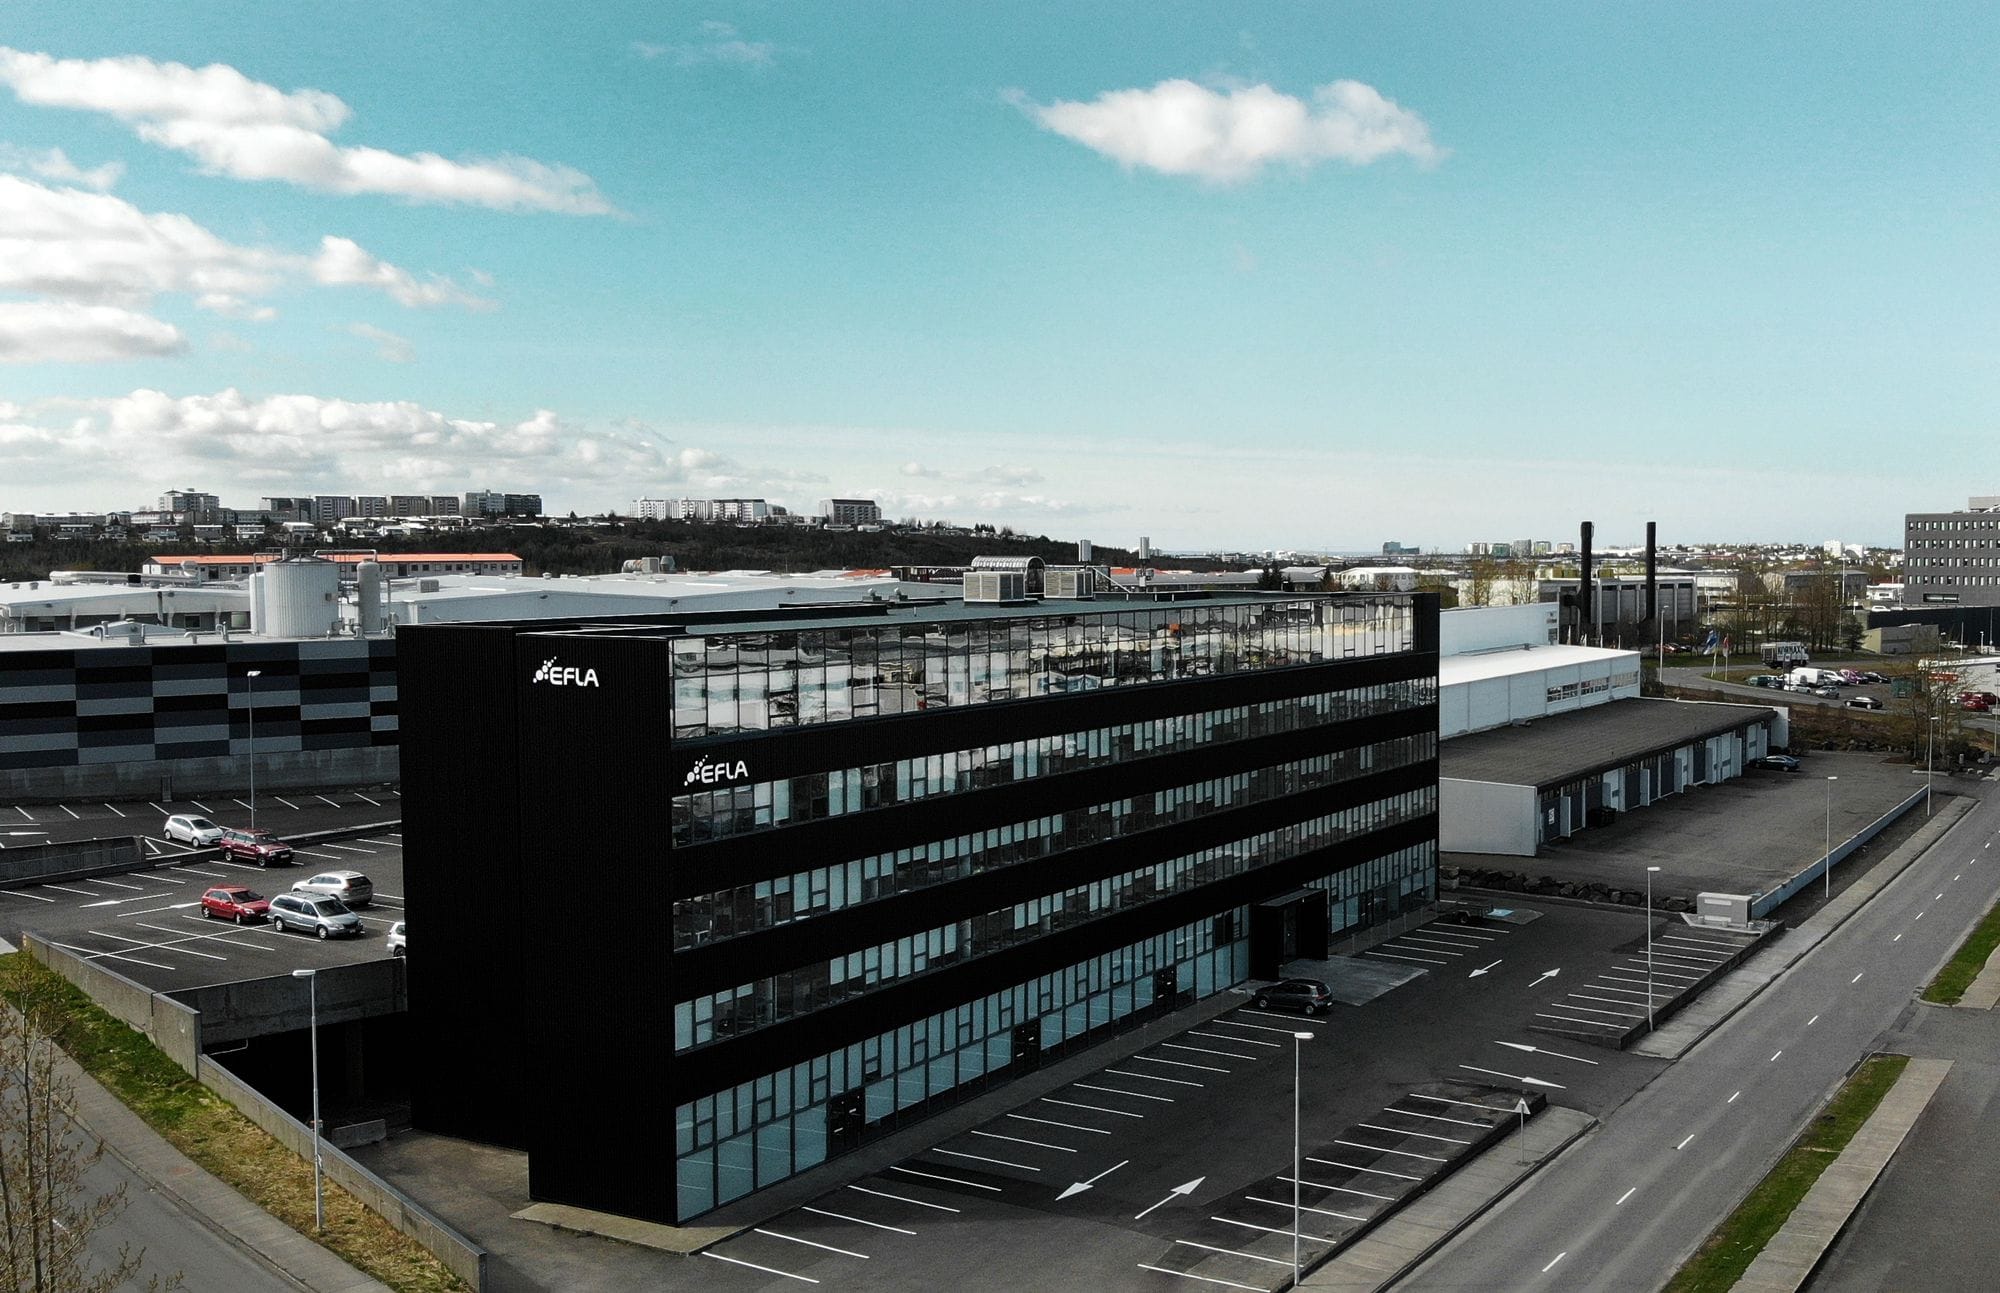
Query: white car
[
  {"x": 398, "y": 946},
  {"x": 191, "y": 830},
  {"x": 350, "y": 887}
]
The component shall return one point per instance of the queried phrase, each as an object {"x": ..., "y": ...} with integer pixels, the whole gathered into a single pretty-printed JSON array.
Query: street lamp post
[
  {"x": 1649, "y": 947},
  {"x": 1826, "y": 891},
  {"x": 1297, "y": 1160},
  {"x": 1930, "y": 753},
  {"x": 253, "y": 675},
  {"x": 319, "y": 1189}
]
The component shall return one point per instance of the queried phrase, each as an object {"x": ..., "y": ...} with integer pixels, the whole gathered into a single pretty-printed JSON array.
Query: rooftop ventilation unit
[
  {"x": 1070, "y": 583},
  {"x": 996, "y": 587}
]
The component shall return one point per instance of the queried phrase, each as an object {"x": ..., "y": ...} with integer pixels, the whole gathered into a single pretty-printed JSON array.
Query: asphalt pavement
[
  {"x": 170, "y": 1240},
  {"x": 1624, "y": 1207},
  {"x": 290, "y": 813}
]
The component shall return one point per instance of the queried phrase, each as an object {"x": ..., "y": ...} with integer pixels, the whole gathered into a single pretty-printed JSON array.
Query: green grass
[
  {"x": 209, "y": 1130},
  {"x": 1728, "y": 1252},
  {"x": 1965, "y": 964}
]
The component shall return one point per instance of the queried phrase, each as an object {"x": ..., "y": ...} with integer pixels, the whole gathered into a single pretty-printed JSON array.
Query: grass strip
[
  {"x": 1729, "y": 1250},
  {"x": 1966, "y": 963},
  {"x": 210, "y": 1130}
]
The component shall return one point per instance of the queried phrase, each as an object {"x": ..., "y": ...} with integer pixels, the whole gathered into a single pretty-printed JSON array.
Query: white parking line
[
  {"x": 1614, "y": 978},
  {"x": 1432, "y": 931},
  {"x": 1592, "y": 1010},
  {"x": 1393, "y": 957},
  {"x": 323, "y": 799},
  {"x": 1067, "y": 1126},
  {"x": 294, "y": 807},
  {"x": 120, "y": 884},
  {"x": 82, "y": 893},
  {"x": 1435, "y": 945},
  {"x": 1038, "y": 1144},
  {"x": 1136, "y": 1095},
  {"x": 1609, "y": 1001},
  {"x": 240, "y": 804},
  {"x": 1184, "y": 1064},
  {"x": 1204, "y": 1050},
  {"x": 1324, "y": 1212},
  {"x": 978, "y": 1158},
  {"x": 1435, "y": 1117},
  {"x": 79, "y": 817},
  {"x": 810, "y": 1243},
  {"x": 1274, "y": 1230},
  {"x": 1571, "y": 1019},
  {"x": 1231, "y": 1252},
  {"x": 1240, "y": 1041},
  {"x": 351, "y": 848},
  {"x": 198, "y": 871},
  {"x": 366, "y": 800},
  {"x": 89, "y": 955},
  {"x": 198, "y": 804},
  {"x": 18, "y": 893},
  {"x": 24, "y": 812},
  {"x": 1339, "y": 1189},
  {"x": 884, "y": 1194},
  {"x": 1372, "y": 1171},
  {"x": 157, "y": 947},
  {"x": 164, "y": 812},
  {"x": 768, "y": 1270},
  {"x": 1205, "y": 1279},
  {"x": 1094, "y": 1108},
  {"x": 1154, "y": 1077},
  {"x": 114, "y": 810},
  {"x": 1399, "y": 1153},
  {"x": 1420, "y": 1135},
  {"x": 1262, "y": 1028},
  {"x": 842, "y": 1216}
]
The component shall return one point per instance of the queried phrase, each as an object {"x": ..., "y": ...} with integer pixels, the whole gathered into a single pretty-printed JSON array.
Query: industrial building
[
  {"x": 846, "y": 865},
  {"x": 1953, "y": 558}
]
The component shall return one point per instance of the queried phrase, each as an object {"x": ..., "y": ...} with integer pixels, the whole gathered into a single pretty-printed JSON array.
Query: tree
[
  {"x": 1480, "y": 574},
  {"x": 1270, "y": 578},
  {"x": 47, "y": 1213}
]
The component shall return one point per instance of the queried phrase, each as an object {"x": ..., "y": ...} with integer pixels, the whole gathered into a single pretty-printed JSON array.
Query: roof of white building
[{"x": 1454, "y": 669}]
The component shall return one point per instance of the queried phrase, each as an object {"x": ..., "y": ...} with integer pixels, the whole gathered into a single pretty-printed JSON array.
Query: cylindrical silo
[
  {"x": 300, "y": 598},
  {"x": 372, "y": 590}
]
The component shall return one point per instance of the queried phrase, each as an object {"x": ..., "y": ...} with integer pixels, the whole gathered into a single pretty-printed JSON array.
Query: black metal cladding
[{"x": 537, "y": 818}]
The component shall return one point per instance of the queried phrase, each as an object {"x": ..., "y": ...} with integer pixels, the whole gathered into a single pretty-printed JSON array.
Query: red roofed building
[{"x": 395, "y": 565}]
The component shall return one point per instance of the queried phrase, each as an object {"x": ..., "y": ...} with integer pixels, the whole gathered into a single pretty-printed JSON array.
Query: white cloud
[
  {"x": 1180, "y": 128},
  {"x": 722, "y": 45},
  {"x": 989, "y": 475},
  {"x": 388, "y": 346},
  {"x": 248, "y": 130},
  {"x": 341, "y": 261},
  {"x": 68, "y": 333},
  {"x": 54, "y": 164},
  {"x": 96, "y": 248}
]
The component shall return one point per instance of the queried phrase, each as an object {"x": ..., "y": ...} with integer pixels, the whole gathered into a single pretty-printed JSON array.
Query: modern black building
[{"x": 705, "y": 902}]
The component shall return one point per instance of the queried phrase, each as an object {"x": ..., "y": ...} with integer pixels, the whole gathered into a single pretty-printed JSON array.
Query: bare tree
[{"x": 47, "y": 1213}]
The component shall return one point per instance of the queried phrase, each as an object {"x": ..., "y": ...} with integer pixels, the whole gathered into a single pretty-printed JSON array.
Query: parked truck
[
  {"x": 1785, "y": 653},
  {"x": 1815, "y": 677}
]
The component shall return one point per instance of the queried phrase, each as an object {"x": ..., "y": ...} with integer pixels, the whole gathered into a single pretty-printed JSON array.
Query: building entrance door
[{"x": 1289, "y": 928}]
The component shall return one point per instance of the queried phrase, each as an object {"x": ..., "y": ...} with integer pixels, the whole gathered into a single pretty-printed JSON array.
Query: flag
[
  {"x": 1708, "y": 645},
  {"x": 1725, "y": 646}
]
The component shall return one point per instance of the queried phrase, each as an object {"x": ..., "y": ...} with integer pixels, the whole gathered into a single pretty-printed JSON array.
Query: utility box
[{"x": 1731, "y": 909}]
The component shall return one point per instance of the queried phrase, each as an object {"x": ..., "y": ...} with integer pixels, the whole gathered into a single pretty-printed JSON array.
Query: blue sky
[{"x": 1224, "y": 275}]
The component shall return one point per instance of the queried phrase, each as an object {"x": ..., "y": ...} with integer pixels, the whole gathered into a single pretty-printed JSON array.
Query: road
[
  {"x": 1697, "y": 679},
  {"x": 1626, "y": 1206}
]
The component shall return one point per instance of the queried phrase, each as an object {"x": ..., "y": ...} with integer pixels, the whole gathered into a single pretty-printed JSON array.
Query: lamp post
[
  {"x": 253, "y": 675},
  {"x": 1826, "y": 891},
  {"x": 1649, "y": 947},
  {"x": 1298, "y": 1039},
  {"x": 319, "y": 1190},
  {"x": 1930, "y": 752}
]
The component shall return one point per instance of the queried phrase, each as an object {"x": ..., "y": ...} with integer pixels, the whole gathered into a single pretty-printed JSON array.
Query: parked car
[
  {"x": 395, "y": 940},
  {"x": 1864, "y": 702},
  {"x": 1308, "y": 996},
  {"x": 326, "y": 917},
  {"x": 1870, "y": 676},
  {"x": 261, "y": 847},
  {"x": 234, "y": 902},
  {"x": 188, "y": 829},
  {"x": 350, "y": 887},
  {"x": 1830, "y": 693},
  {"x": 1779, "y": 763}
]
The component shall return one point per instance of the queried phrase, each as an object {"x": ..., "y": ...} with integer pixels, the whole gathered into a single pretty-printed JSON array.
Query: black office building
[{"x": 706, "y": 900}]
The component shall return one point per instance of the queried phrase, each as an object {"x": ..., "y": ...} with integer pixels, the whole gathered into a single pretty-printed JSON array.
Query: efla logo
[
  {"x": 564, "y": 675},
  {"x": 705, "y": 773}
]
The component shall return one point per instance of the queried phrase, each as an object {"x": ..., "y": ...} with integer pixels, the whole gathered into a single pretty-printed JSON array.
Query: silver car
[
  {"x": 189, "y": 829},
  {"x": 325, "y": 917},
  {"x": 397, "y": 946},
  {"x": 350, "y": 887}
]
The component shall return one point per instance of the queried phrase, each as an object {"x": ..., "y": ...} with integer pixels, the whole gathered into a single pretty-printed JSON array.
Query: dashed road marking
[
  {"x": 1628, "y": 1194},
  {"x": 1552, "y": 1263}
]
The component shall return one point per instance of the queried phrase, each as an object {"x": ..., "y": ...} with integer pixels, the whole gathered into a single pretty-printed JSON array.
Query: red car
[
  {"x": 261, "y": 847},
  {"x": 234, "y": 902}
]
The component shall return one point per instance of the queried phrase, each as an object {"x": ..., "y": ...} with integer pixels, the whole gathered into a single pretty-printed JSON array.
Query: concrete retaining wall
[
  {"x": 165, "y": 779},
  {"x": 73, "y": 858},
  {"x": 233, "y": 1012},
  {"x": 1766, "y": 903},
  {"x": 466, "y": 1259},
  {"x": 178, "y": 1030},
  {"x": 168, "y": 1024}
]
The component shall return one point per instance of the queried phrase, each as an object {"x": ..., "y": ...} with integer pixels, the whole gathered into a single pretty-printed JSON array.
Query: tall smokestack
[
  {"x": 1586, "y": 591},
  {"x": 1652, "y": 571}
]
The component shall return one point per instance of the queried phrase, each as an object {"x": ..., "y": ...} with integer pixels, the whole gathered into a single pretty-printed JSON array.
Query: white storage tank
[
  {"x": 371, "y": 590},
  {"x": 299, "y": 598}
]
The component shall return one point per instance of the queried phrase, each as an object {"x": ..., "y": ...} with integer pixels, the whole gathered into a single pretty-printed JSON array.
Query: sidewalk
[
  {"x": 1983, "y": 993},
  {"x": 1792, "y": 1254},
  {"x": 239, "y": 1221},
  {"x": 1392, "y": 1249}
]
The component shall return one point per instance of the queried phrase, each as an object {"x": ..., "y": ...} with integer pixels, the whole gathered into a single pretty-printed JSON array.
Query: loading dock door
[{"x": 1289, "y": 928}]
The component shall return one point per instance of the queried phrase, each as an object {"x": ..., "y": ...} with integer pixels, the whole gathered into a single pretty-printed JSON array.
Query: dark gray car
[
  {"x": 326, "y": 917},
  {"x": 1307, "y": 996}
]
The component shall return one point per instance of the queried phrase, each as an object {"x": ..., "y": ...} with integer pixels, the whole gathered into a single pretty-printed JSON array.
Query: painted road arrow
[
  {"x": 1481, "y": 970},
  {"x": 1081, "y": 1186},
  {"x": 1537, "y": 1050},
  {"x": 1546, "y": 974},
  {"x": 1179, "y": 1191},
  {"x": 1516, "y": 1077}
]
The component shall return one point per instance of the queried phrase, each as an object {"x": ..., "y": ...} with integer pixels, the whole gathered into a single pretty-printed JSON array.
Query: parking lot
[
  {"x": 148, "y": 925},
  {"x": 1180, "y": 1134},
  {"x": 293, "y": 812}
]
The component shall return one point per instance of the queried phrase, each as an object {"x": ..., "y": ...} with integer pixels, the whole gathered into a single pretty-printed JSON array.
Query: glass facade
[
  {"x": 752, "y": 682},
  {"x": 1189, "y": 825}
]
